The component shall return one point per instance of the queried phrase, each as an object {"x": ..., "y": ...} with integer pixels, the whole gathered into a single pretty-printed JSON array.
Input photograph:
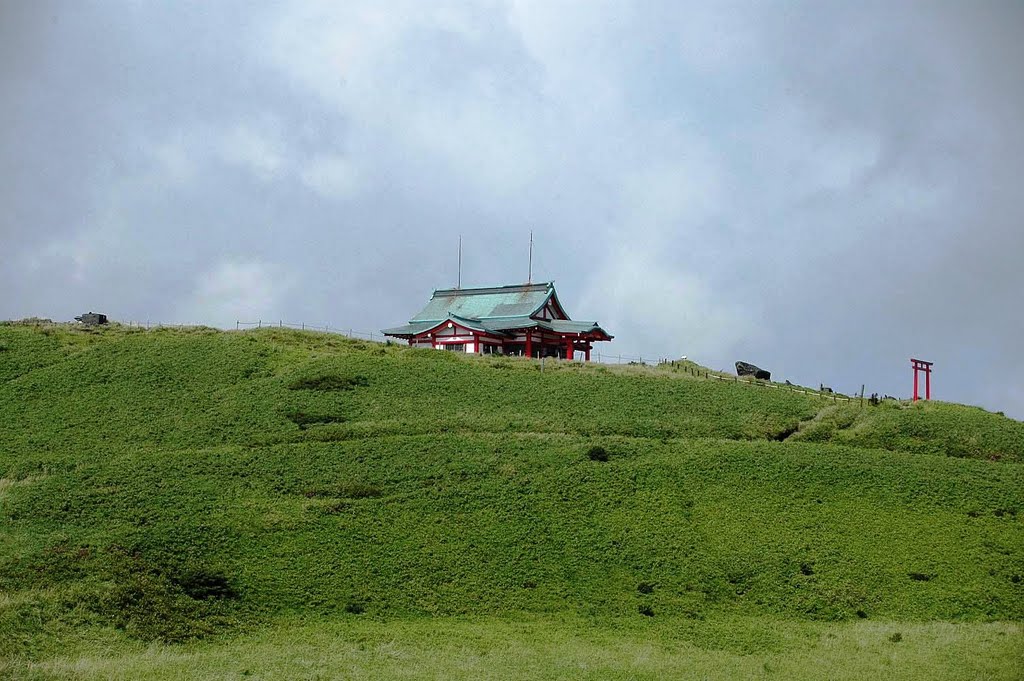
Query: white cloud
[
  {"x": 651, "y": 306},
  {"x": 237, "y": 290},
  {"x": 332, "y": 177},
  {"x": 174, "y": 160},
  {"x": 257, "y": 150},
  {"x": 444, "y": 83}
]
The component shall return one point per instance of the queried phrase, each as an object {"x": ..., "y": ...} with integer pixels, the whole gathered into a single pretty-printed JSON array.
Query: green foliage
[
  {"x": 934, "y": 428},
  {"x": 328, "y": 382},
  {"x": 177, "y": 484},
  {"x": 303, "y": 419}
]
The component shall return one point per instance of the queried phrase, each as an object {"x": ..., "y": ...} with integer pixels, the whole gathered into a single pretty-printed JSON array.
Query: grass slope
[{"x": 173, "y": 485}]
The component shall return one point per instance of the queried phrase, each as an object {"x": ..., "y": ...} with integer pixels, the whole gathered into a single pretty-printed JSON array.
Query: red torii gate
[{"x": 921, "y": 365}]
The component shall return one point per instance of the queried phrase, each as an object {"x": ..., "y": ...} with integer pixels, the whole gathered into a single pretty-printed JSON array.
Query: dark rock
[
  {"x": 746, "y": 369},
  {"x": 92, "y": 318}
]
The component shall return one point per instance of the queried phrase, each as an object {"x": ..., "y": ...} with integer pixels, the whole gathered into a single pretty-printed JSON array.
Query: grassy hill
[{"x": 236, "y": 497}]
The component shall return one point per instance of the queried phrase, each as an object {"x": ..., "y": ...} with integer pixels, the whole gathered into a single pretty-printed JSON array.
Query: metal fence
[{"x": 350, "y": 332}]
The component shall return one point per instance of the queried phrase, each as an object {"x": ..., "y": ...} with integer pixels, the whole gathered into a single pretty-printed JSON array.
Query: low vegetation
[{"x": 208, "y": 503}]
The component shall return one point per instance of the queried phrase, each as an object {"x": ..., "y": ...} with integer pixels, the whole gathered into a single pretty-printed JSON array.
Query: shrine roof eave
[
  {"x": 408, "y": 330},
  {"x": 415, "y": 328},
  {"x": 506, "y": 326},
  {"x": 590, "y": 330}
]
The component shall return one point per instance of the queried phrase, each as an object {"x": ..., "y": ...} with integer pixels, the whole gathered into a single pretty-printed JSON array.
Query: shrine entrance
[{"x": 922, "y": 366}]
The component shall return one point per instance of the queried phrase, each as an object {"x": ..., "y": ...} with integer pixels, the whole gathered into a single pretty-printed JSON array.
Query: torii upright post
[{"x": 926, "y": 367}]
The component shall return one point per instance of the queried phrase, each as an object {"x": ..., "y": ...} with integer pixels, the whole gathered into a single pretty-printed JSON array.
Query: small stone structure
[
  {"x": 747, "y": 369},
  {"x": 92, "y": 318}
]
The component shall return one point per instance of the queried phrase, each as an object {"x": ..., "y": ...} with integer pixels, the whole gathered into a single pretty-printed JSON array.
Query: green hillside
[{"x": 213, "y": 492}]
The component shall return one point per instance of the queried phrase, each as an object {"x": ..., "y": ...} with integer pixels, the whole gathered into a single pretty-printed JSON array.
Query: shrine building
[{"x": 526, "y": 319}]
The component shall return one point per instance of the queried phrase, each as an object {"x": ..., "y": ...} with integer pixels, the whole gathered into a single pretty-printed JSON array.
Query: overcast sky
[{"x": 823, "y": 189}]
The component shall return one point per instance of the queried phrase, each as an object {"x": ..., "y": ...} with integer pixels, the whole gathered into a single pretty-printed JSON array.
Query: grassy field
[
  {"x": 492, "y": 648},
  {"x": 203, "y": 503}
]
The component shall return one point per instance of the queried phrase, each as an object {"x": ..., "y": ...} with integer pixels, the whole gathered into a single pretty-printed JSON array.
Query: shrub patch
[{"x": 329, "y": 382}]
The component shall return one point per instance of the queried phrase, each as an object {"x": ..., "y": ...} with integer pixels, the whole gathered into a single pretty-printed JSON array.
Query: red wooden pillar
[
  {"x": 568, "y": 348},
  {"x": 926, "y": 367},
  {"x": 529, "y": 344},
  {"x": 586, "y": 353}
]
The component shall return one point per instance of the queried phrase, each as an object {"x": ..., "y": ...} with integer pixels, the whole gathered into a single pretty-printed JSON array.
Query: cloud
[
  {"x": 256, "y": 151},
  {"x": 332, "y": 177},
  {"x": 237, "y": 290},
  {"x": 822, "y": 189}
]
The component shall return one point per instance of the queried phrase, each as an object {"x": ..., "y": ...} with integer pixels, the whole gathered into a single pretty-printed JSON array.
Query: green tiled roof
[
  {"x": 486, "y": 303},
  {"x": 497, "y": 310},
  {"x": 566, "y": 326}
]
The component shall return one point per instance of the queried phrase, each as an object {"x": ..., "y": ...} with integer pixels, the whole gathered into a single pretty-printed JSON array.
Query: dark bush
[
  {"x": 329, "y": 382},
  {"x": 597, "y": 453},
  {"x": 303, "y": 419},
  {"x": 861, "y": 614},
  {"x": 645, "y": 588},
  {"x": 784, "y": 434},
  {"x": 358, "y": 490},
  {"x": 806, "y": 569},
  {"x": 355, "y": 608},
  {"x": 345, "y": 490},
  {"x": 896, "y": 638},
  {"x": 150, "y": 607},
  {"x": 920, "y": 576},
  {"x": 646, "y": 611},
  {"x": 202, "y": 584}
]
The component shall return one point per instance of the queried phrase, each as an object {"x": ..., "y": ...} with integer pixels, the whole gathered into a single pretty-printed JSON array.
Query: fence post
[{"x": 259, "y": 324}]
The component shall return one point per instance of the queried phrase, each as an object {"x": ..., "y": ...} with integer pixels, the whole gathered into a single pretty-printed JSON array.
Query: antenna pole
[
  {"x": 459, "y": 285},
  {"x": 529, "y": 276}
]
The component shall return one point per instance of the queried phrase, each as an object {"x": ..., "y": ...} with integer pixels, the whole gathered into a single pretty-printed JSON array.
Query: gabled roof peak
[{"x": 541, "y": 287}]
